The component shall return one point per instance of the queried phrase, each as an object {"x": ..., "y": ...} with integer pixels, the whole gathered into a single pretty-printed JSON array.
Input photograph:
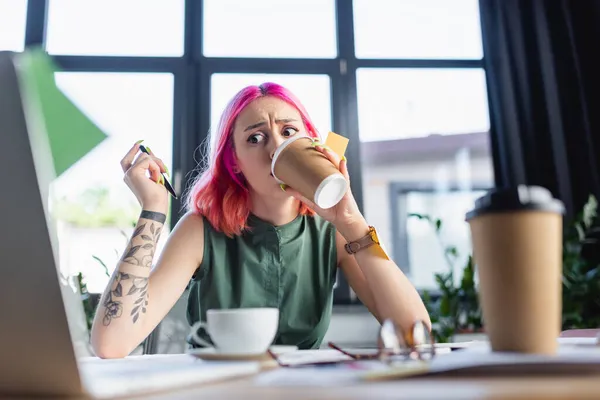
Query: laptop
[{"x": 37, "y": 351}]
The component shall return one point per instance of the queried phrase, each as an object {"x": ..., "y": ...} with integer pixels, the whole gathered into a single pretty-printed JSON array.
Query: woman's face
[{"x": 259, "y": 129}]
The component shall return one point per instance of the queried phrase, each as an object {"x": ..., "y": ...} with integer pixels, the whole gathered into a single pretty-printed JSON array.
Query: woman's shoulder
[
  {"x": 191, "y": 224},
  {"x": 192, "y": 219}
]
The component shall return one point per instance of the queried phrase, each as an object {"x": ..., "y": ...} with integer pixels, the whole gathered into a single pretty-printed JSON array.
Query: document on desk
[
  {"x": 141, "y": 374},
  {"x": 573, "y": 357}
]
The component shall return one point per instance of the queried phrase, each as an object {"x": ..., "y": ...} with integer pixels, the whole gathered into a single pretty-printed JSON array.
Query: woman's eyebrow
[{"x": 261, "y": 123}]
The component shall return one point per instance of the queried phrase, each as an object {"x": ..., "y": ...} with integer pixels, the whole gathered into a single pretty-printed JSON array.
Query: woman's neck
[{"x": 275, "y": 211}]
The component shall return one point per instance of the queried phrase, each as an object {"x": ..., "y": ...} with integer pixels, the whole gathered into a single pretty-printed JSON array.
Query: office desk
[{"x": 446, "y": 388}]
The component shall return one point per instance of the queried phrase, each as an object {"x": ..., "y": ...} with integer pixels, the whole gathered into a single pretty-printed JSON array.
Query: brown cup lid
[{"x": 522, "y": 197}]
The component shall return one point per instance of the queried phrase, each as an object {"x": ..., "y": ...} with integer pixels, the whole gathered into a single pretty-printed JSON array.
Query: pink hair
[{"x": 221, "y": 195}]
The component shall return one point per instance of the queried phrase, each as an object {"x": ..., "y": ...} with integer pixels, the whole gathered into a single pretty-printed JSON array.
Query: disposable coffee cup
[
  {"x": 517, "y": 248},
  {"x": 299, "y": 165}
]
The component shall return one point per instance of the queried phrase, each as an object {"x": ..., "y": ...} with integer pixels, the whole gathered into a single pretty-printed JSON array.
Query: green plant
[
  {"x": 457, "y": 308},
  {"x": 581, "y": 275}
]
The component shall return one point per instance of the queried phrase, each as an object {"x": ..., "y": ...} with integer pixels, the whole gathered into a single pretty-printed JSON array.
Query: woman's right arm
[{"x": 138, "y": 296}]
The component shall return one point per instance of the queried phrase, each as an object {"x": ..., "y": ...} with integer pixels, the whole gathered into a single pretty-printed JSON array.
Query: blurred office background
[{"x": 405, "y": 80}]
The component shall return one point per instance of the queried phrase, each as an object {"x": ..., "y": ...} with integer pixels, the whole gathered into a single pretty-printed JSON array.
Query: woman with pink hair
[{"x": 247, "y": 241}]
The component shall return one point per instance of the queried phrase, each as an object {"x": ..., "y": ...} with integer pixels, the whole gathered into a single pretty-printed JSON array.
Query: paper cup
[{"x": 299, "y": 165}]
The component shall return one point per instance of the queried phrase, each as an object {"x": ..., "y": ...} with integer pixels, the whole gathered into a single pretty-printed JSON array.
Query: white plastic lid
[{"x": 331, "y": 191}]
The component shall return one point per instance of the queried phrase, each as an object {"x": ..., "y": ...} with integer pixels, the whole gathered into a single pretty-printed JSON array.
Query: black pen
[{"x": 167, "y": 184}]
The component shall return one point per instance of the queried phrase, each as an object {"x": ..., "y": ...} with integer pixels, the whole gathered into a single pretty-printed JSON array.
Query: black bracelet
[{"x": 154, "y": 216}]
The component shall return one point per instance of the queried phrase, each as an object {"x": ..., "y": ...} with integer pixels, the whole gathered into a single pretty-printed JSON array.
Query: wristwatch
[{"x": 366, "y": 241}]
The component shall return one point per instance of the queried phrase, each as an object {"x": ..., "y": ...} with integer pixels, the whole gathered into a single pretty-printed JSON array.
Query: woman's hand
[
  {"x": 150, "y": 191},
  {"x": 345, "y": 215}
]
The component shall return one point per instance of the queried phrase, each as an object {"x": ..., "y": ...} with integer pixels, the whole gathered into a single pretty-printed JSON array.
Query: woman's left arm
[
  {"x": 378, "y": 282},
  {"x": 376, "y": 279}
]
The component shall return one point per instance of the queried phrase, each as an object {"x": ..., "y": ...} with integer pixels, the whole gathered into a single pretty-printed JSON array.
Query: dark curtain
[{"x": 543, "y": 69}]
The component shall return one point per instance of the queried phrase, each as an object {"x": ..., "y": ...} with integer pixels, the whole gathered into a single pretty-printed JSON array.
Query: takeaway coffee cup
[
  {"x": 517, "y": 247},
  {"x": 299, "y": 165}
]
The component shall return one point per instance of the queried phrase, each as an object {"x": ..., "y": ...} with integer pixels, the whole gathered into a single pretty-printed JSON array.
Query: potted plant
[{"x": 581, "y": 270}]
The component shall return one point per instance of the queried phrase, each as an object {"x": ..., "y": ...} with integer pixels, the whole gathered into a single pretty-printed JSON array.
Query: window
[
  {"x": 116, "y": 27},
  {"x": 94, "y": 208},
  {"x": 405, "y": 103},
  {"x": 417, "y": 29},
  {"x": 270, "y": 28},
  {"x": 314, "y": 91},
  {"x": 422, "y": 128},
  {"x": 13, "y": 14},
  {"x": 417, "y": 247}
]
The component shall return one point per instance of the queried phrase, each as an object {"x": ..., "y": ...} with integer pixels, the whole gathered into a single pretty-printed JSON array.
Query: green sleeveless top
[{"x": 291, "y": 267}]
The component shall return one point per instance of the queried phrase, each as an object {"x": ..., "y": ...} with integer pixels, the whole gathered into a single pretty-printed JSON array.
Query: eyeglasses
[{"x": 393, "y": 345}]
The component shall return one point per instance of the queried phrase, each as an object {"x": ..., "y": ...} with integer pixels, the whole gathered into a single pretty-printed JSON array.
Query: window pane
[
  {"x": 425, "y": 149},
  {"x": 116, "y": 27},
  {"x": 13, "y": 14},
  {"x": 90, "y": 200},
  {"x": 404, "y": 103},
  {"x": 426, "y": 249},
  {"x": 314, "y": 91},
  {"x": 438, "y": 29},
  {"x": 270, "y": 28}
]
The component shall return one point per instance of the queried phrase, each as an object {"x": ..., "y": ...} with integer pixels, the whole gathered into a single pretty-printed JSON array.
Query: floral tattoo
[
  {"x": 133, "y": 256},
  {"x": 114, "y": 307}
]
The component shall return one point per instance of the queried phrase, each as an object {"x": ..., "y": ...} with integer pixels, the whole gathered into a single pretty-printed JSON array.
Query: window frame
[{"x": 192, "y": 74}]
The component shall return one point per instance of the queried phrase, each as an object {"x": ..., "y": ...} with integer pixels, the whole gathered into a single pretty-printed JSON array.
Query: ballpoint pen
[{"x": 167, "y": 184}]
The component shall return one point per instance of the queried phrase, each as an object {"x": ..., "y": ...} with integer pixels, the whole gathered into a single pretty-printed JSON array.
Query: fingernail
[
  {"x": 148, "y": 148},
  {"x": 344, "y": 159},
  {"x": 167, "y": 170},
  {"x": 282, "y": 186},
  {"x": 139, "y": 141}
]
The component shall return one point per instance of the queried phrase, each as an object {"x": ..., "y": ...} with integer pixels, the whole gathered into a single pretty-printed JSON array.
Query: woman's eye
[
  {"x": 287, "y": 132},
  {"x": 256, "y": 138}
]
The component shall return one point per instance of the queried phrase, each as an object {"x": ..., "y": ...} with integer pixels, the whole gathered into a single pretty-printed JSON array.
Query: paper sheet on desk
[
  {"x": 327, "y": 375},
  {"x": 575, "y": 357}
]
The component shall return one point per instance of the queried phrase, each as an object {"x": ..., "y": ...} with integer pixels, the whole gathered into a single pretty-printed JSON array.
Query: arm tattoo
[
  {"x": 135, "y": 254},
  {"x": 154, "y": 216},
  {"x": 113, "y": 307}
]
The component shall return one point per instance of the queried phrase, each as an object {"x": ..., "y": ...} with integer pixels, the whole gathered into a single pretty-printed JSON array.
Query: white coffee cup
[{"x": 240, "y": 330}]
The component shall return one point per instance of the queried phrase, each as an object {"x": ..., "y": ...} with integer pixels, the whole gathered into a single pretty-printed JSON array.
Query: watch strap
[{"x": 364, "y": 242}]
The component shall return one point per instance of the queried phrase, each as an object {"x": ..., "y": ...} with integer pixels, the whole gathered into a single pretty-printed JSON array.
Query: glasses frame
[{"x": 411, "y": 351}]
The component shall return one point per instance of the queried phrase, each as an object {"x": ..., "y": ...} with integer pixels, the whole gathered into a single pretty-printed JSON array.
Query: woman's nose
[{"x": 275, "y": 143}]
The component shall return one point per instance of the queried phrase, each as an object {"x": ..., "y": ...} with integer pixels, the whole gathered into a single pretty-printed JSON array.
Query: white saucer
[{"x": 211, "y": 353}]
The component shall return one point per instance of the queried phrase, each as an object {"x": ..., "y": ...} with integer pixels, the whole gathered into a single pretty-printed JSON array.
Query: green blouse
[{"x": 292, "y": 267}]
